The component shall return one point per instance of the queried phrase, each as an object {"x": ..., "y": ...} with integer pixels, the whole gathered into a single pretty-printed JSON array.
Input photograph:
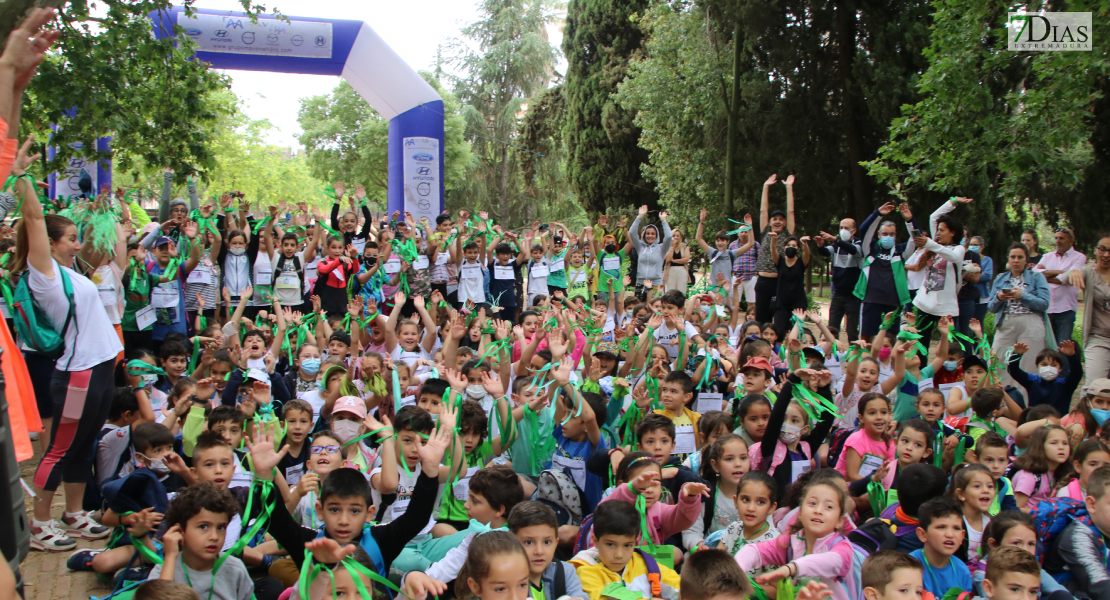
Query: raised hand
[
  {"x": 431, "y": 454},
  {"x": 1021, "y": 348},
  {"x": 887, "y": 208},
  {"x": 1067, "y": 348},
  {"x": 789, "y": 181},
  {"x": 493, "y": 386},
  {"x": 419, "y": 586},
  {"x": 692, "y": 489},
  {"x": 171, "y": 542},
  {"x": 263, "y": 455},
  {"x": 309, "y": 482},
  {"x": 327, "y": 551},
  {"x": 770, "y": 180}
]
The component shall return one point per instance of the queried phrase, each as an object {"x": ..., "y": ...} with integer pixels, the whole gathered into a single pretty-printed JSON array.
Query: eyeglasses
[{"x": 323, "y": 449}]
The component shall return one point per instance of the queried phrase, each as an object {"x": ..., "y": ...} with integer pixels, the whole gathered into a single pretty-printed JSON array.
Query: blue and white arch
[{"x": 352, "y": 50}]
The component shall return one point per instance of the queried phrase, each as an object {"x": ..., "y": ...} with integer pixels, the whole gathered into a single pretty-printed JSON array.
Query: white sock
[
  {"x": 40, "y": 524},
  {"x": 69, "y": 515}
]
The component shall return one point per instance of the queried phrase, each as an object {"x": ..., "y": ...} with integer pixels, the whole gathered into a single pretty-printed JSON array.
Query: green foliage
[
  {"x": 347, "y": 140},
  {"x": 506, "y": 60},
  {"x": 143, "y": 91},
  {"x": 544, "y": 164},
  {"x": 604, "y": 159},
  {"x": 1004, "y": 127}
]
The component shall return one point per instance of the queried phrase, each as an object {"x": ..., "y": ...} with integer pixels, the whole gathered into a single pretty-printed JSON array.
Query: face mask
[
  {"x": 149, "y": 380},
  {"x": 845, "y": 235},
  {"x": 310, "y": 365},
  {"x": 887, "y": 241},
  {"x": 610, "y": 248},
  {"x": 1101, "y": 416},
  {"x": 345, "y": 430},
  {"x": 237, "y": 251},
  {"x": 155, "y": 464},
  {"x": 1048, "y": 373},
  {"x": 320, "y": 385},
  {"x": 475, "y": 391},
  {"x": 790, "y": 252},
  {"x": 884, "y": 353},
  {"x": 973, "y": 248},
  {"x": 950, "y": 365},
  {"x": 790, "y": 433},
  {"x": 370, "y": 261}
]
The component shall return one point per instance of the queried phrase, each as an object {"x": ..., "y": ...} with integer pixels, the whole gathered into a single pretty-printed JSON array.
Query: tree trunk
[
  {"x": 846, "y": 55},
  {"x": 733, "y": 110},
  {"x": 503, "y": 192}
]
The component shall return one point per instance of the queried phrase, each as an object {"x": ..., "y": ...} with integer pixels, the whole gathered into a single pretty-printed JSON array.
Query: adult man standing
[
  {"x": 1065, "y": 298},
  {"x": 847, "y": 259},
  {"x": 882, "y": 283}
]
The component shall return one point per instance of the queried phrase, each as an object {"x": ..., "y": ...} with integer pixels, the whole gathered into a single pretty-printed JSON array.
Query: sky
[{"x": 414, "y": 31}]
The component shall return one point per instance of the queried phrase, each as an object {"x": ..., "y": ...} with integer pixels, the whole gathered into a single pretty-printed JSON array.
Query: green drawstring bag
[{"x": 194, "y": 425}]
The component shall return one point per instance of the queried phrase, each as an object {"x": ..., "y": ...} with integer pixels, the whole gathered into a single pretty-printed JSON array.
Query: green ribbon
[
  {"x": 813, "y": 404},
  {"x": 909, "y": 336},
  {"x": 742, "y": 227},
  {"x": 645, "y": 530},
  {"x": 138, "y": 367},
  {"x": 258, "y": 226},
  {"x": 877, "y": 494}
]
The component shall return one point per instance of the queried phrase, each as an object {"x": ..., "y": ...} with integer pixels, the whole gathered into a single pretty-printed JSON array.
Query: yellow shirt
[{"x": 594, "y": 578}]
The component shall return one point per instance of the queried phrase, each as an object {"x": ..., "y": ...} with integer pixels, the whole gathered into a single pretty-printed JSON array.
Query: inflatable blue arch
[{"x": 350, "y": 49}]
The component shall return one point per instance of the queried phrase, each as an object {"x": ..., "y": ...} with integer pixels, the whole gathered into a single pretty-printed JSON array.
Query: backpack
[
  {"x": 869, "y": 538},
  {"x": 557, "y": 490},
  {"x": 560, "y": 580},
  {"x": 278, "y": 270},
  {"x": 582, "y": 541},
  {"x": 1052, "y": 516},
  {"x": 32, "y": 326},
  {"x": 852, "y": 581},
  {"x": 836, "y": 444}
]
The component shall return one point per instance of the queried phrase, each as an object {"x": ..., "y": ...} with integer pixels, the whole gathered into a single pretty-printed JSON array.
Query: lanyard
[{"x": 211, "y": 589}]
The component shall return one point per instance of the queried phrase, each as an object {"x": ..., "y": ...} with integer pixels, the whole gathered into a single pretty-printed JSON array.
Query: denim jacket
[{"x": 1035, "y": 297}]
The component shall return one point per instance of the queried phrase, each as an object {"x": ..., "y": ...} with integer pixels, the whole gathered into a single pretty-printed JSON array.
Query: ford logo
[
  {"x": 423, "y": 157},
  {"x": 193, "y": 32}
]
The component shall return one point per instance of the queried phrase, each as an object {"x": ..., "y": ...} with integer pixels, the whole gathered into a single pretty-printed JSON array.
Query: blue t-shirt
[
  {"x": 567, "y": 450},
  {"x": 502, "y": 289},
  {"x": 939, "y": 581},
  {"x": 169, "y": 319}
]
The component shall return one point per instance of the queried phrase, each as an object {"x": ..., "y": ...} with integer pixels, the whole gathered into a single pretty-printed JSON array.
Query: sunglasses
[{"x": 323, "y": 449}]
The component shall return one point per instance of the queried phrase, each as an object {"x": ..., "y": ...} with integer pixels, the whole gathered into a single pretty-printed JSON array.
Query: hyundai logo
[
  {"x": 424, "y": 171},
  {"x": 221, "y": 33},
  {"x": 423, "y": 157}
]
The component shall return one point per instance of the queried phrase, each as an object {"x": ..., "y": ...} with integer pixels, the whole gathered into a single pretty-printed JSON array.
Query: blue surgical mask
[
  {"x": 310, "y": 365},
  {"x": 1101, "y": 416},
  {"x": 887, "y": 241},
  {"x": 321, "y": 385},
  {"x": 973, "y": 248},
  {"x": 950, "y": 365}
]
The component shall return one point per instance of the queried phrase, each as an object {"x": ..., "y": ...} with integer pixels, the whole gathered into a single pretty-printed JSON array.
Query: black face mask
[
  {"x": 791, "y": 252},
  {"x": 610, "y": 248},
  {"x": 370, "y": 260}
]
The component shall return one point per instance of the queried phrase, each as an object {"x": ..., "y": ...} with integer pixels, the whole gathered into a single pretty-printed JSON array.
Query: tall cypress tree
[{"x": 604, "y": 157}]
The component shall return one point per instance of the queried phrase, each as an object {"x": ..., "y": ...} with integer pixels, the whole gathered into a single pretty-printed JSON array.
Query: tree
[
  {"x": 347, "y": 140},
  {"x": 544, "y": 161},
  {"x": 109, "y": 76},
  {"x": 604, "y": 156},
  {"x": 512, "y": 61},
  {"x": 1004, "y": 127}
]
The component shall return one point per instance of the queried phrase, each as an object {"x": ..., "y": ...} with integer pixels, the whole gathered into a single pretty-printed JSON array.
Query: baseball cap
[
  {"x": 758, "y": 362},
  {"x": 350, "y": 404},
  {"x": 609, "y": 348},
  {"x": 778, "y": 213},
  {"x": 1099, "y": 387},
  {"x": 973, "y": 360},
  {"x": 162, "y": 241},
  {"x": 814, "y": 350},
  {"x": 340, "y": 336}
]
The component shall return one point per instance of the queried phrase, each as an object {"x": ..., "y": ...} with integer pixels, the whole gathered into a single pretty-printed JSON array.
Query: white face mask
[
  {"x": 155, "y": 464},
  {"x": 845, "y": 235},
  {"x": 345, "y": 430},
  {"x": 149, "y": 380},
  {"x": 1048, "y": 373},
  {"x": 790, "y": 433},
  {"x": 237, "y": 251},
  {"x": 475, "y": 391}
]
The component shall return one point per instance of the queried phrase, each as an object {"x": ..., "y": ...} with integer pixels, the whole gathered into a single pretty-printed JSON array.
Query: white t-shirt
[
  {"x": 263, "y": 277},
  {"x": 470, "y": 282},
  {"x": 317, "y": 403},
  {"x": 98, "y": 339},
  {"x": 110, "y": 289},
  {"x": 406, "y": 484},
  {"x": 665, "y": 335},
  {"x": 410, "y": 358}
]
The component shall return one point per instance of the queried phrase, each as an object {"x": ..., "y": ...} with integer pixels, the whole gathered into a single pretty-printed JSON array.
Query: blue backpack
[{"x": 1052, "y": 516}]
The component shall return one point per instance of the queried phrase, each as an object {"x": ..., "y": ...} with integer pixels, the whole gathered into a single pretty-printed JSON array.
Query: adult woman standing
[
  {"x": 1095, "y": 280},
  {"x": 986, "y": 264},
  {"x": 791, "y": 268},
  {"x": 676, "y": 275},
  {"x": 1032, "y": 241},
  {"x": 937, "y": 296},
  {"x": 1019, "y": 298},
  {"x": 82, "y": 385},
  {"x": 650, "y": 250}
]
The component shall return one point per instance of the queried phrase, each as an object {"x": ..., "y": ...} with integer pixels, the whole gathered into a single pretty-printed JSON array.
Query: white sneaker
[
  {"x": 84, "y": 527},
  {"x": 50, "y": 538}
]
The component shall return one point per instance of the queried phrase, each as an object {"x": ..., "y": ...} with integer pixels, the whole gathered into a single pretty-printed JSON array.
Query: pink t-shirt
[
  {"x": 1026, "y": 483},
  {"x": 1075, "y": 417},
  {"x": 865, "y": 446}
]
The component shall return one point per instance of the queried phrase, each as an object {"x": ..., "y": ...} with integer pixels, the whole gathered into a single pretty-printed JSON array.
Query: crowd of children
[{"x": 299, "y": 406}]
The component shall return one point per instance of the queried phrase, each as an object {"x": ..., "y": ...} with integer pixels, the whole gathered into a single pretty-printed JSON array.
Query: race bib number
[
  {"x": 442, "y": 258},
  {"x": 708, "y": 401},
  {"x": 870, "y": 465},
  {"x": 164, "y": 296},
  {"x": 558, "y": 265},
  {"x": 611, "y": 263},
  {"x": 293, "y": 474},
  {"x": 108, "y": 297},
  {"x": 144, "y": 317},
  {"x": 421, "y": 262},
  {"x": 392, "y": 266},
  {"x": 288, "y": 281},
  {"x": 359, "y": 245},
  {"x": 684, "y": 440},
  {"x": 263, "y": 278},
  {"x": 539, "y": 270},
  {"x": 461, "y": 490},
  {"x": 503, "y": 272},
  {"x": 798, "y": 467},
  {"x": 201, "y": 275},
  {"x": 471, "y": 271}
]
